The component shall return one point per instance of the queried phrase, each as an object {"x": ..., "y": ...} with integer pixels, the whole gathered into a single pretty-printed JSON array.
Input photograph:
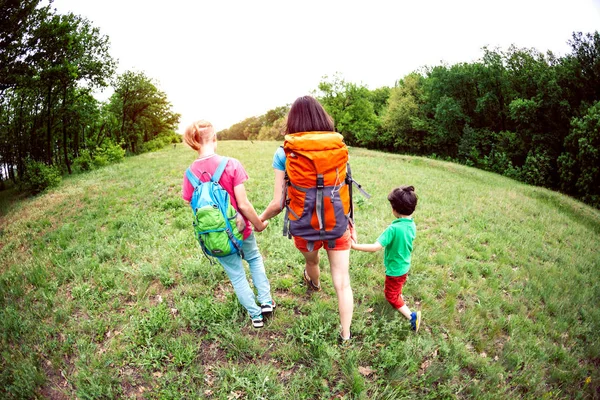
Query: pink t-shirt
[{"x": 234, "y": 175}]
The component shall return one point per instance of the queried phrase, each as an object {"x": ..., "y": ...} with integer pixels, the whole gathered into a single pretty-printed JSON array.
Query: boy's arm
[
  {"x": 247, "y": 209},
  {"x": 367, "y": 247}
]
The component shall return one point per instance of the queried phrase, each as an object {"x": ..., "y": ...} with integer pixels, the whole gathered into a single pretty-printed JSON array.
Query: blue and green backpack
[{"x": 214, "y": 216}]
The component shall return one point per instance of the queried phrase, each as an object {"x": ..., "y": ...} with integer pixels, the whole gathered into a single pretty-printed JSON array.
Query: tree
[
  {"x": 401, "y": 122},
  {"x": 379, "y": 97},
  {"x": 580, "y": 162},
  {"x": 50, "y": 64},
  {"x": 351, "y": 108},
  {"x": 143, "y": 111},
  {"x": 273, "y": 132},
  {"x": 18, "y": 20},
  {"x": 71, "y": 54},
  {"x": 583, "y": 66},
  {"x": 275, "y": 114}
]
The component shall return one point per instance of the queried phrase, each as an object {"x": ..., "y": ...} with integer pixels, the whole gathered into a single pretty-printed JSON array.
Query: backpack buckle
[{"x": 320, "y": 182}]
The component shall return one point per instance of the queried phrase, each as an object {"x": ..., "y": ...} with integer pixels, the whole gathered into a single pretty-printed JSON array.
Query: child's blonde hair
[{"x": 198, "y": 134}]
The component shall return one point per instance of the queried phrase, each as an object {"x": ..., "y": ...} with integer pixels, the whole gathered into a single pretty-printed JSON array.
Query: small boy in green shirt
[{"x": 397, "y": 240}]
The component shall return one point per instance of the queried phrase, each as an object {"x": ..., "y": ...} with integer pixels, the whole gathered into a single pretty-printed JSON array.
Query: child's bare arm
[
  {"x": 367, "y": 247},
  {"x": 276, "y": 204},
  {"x": 247, "y": 209}
]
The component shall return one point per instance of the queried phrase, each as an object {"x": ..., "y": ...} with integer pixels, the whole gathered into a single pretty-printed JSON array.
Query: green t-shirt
[{"x": 398, "y": 242}]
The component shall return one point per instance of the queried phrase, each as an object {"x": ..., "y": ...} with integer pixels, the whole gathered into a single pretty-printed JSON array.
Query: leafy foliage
[
  {"x": 351, "y": 108},
  {"x": 142, "y": 112},
  {"x": 580, "y": 163},
  {"x": 39, "y": 176},
  {"x": 524, "y": 114},
  {"x": 268, "y": 126},
  {"x": 84, "y": 162},
  {"x": 50, "y": 65}
]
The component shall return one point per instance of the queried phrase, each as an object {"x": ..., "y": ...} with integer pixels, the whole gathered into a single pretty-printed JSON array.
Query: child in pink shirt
[{"x": 201, "y": 137}]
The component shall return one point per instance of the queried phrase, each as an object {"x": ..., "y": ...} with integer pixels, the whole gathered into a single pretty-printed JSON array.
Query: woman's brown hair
[{"x": 308, "y": 115}]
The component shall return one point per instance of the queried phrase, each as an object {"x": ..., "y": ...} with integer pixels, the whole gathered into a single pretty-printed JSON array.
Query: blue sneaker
[
  {"x": 257, "y": 321},
  {"x": 415, "y": 320}
]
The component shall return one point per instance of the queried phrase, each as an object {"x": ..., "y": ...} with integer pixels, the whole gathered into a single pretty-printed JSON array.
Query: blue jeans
[{"x": 235, "y": 270}]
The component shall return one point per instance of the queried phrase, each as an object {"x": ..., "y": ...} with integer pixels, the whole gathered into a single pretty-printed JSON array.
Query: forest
[
  {"x": 531, "y": 116},
  {"x": 51, "y": 65}
]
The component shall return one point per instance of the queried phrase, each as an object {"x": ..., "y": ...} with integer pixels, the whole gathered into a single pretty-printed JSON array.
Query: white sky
[{"x": 224, "y": 60}]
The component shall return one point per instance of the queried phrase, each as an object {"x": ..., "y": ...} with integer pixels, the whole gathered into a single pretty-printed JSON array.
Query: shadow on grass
[
  {"x": 10, "y": 197},
  {"x": 577, "y": 212}
]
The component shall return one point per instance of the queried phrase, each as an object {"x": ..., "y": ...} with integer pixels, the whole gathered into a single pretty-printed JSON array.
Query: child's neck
[
  {"x": 206, "y": 150},
  {"x": 397, "y": 215}
]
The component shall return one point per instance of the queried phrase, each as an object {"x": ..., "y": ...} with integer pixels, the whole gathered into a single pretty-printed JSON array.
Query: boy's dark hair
[
  {"x": 308, "y": 115},
  {"x": 403, "y": 200}
]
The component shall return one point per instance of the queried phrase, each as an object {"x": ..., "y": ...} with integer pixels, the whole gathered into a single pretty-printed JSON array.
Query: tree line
[
  {"x": 50, "y": 66},
  {"x": 531, "y": 116}
]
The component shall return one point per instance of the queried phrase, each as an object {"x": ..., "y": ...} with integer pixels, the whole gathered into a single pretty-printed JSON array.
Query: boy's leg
[
  {"x": 257, "y": 269},
  {"x": 404, "y": 310},
  {"x": 393, "y": 293},
  {"x": 235, "y": 271}
]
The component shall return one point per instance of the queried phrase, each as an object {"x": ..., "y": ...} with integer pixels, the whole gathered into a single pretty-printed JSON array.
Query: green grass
[{"x": 105, "y": 294}]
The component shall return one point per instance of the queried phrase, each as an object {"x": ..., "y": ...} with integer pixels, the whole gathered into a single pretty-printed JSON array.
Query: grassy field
[{"x": 105, "y": 294}]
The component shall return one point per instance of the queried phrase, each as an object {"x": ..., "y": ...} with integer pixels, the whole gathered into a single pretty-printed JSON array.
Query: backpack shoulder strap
[
  {"x": 192, "y": 178},
  {"x": 219, "y": 171}
]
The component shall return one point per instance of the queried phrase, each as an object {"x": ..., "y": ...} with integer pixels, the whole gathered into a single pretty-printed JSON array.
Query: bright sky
[{"x": 225, "y": 60}]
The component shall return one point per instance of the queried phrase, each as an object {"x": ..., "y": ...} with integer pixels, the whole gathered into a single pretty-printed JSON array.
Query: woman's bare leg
[
  {"x": 339, "y": 262},
  {"x": 312, "y": 266}
]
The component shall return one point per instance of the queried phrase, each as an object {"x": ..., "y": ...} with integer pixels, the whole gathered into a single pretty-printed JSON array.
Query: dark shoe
[
  {"x": 415, "y": 320},
  {"x": 268, "y": 309},
  {"x": 310, "y": 284},
  {"x": 344, "y": 342}
]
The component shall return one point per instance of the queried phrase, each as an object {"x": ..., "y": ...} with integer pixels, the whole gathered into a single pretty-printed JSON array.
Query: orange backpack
[{"x": 318, "y": 194}]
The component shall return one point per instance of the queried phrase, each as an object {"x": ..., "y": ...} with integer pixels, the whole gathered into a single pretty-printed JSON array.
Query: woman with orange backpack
[{"x": 312, "y": 184}]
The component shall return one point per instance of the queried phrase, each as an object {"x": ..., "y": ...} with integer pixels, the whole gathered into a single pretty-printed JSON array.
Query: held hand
[{"x": 262, "y": 227}]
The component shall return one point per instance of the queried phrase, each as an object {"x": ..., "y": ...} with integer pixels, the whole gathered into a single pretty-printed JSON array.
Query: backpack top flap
[{"x": 312, "y": 153}]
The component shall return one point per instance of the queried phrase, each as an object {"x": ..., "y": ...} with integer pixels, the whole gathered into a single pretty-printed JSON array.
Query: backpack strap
[
  {"x": 350, "y": 182},
  {"x": 285, "y": 201},
  {"x": 320, "y": 209},
  {"x": 215, "y": 178},
  {"x": 219, "y": 171},
  {"x": 361, "y": 190},
  {"x": 192, "y": 178}
]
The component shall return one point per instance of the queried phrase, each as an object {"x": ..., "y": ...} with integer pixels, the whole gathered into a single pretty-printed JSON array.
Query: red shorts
[
  {"x": 393, "y": 290},
  {"x": 342, "y": 243}
]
